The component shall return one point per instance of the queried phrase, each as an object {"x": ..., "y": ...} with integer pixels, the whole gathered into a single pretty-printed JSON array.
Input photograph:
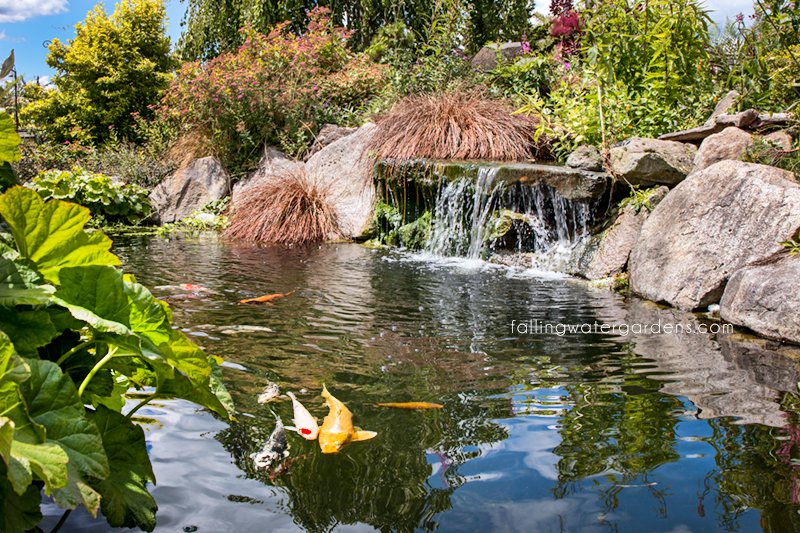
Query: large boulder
[
  {"x": 273, "y": 164},
  {"x": 730, "y": 143},
  {"x": 615, "y": 248},
  {"x": 650, "y": 162},
  {"x": 486, "y": 58},
  {"x": 765, "y": 299},
  {"x": 721, "y": 219},
  {"x": 345, "y": 170},
  {"x": 188, "y": 189},
  {"x": 328, "y": 133}
]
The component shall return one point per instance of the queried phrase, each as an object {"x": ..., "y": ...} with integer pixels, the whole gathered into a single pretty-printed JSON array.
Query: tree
[
  {"x": 212, "y": 26},
  {"x": 116, "y": 66}
]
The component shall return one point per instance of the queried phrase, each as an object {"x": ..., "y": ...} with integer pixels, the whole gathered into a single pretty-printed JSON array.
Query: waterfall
[{"x": 471, "y": 214}]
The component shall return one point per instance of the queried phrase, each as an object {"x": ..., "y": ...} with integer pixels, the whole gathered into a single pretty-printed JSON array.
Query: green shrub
[
  {"x": 75, "y": 335},
  {"x": 115, "y": 202},
  {"x": 115, "y": 67}
]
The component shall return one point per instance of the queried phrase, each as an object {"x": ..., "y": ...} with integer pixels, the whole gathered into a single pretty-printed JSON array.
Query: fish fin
[
  {"x": 291, "y": 395},
  {"x": 360, "y": 434},
  {"x": 291, "y": 428}
]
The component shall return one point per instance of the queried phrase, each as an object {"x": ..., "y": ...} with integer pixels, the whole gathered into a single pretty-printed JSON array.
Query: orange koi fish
[
  {"x": 337, "y": 429},
  {"x": 265, "y": 299},
  {"x": 412, "y": 405}
]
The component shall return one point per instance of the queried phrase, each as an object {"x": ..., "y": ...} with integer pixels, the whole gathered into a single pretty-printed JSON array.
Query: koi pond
[{"x": 613, "y": 429}]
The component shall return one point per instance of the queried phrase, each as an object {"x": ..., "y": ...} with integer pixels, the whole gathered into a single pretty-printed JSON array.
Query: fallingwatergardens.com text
[{"x": 538, "y": 327}]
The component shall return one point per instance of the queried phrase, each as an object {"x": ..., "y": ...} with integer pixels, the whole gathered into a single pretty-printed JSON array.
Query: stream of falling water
[{"x": 467, "y": 210}]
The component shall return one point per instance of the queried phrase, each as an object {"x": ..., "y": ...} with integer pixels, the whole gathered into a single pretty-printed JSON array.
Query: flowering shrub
[{"x": 272, "y": 89}]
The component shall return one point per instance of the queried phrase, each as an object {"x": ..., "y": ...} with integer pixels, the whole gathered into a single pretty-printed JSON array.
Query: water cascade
[{"x": 481, "y": 208}]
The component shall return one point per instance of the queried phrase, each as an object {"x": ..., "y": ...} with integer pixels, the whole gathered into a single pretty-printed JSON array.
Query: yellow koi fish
[{"x": 337, "y": 429}]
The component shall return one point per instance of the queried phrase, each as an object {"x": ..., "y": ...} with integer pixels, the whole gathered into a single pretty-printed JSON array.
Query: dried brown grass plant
[
  {"x": 292, "y": 208},
  {"x": 456, "y": 125},
  {"x": 192, "y": 145}
]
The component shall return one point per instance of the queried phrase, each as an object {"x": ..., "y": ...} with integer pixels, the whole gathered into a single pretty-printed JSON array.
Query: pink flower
[{"x": 216, "y": 99}]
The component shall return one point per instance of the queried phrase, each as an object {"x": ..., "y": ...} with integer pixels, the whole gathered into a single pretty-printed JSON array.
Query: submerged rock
[
  {"x": 611, "y": 256},
  {"x": 765, "y": 299},
  {"x": 729, "y": 144},
  {"x": 717, "y": 221},
  {"x": 190, "y": 188},
  {"x": 650, "y": 162}
]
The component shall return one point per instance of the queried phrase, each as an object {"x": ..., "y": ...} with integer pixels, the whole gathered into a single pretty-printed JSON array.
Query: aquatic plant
[
  {"x": 293, "y": 208},
  {"x": 456, "y": 125},
  {"x": 75, "y": 335}
]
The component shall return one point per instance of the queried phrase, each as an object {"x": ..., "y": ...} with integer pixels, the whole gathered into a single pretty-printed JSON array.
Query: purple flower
[{"x": 740, "y": 17}]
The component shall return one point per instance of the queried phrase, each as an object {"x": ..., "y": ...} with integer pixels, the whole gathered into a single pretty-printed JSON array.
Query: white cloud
[
  {"x": 4, "y": 37},
  {"x": 20, "y": 10}
]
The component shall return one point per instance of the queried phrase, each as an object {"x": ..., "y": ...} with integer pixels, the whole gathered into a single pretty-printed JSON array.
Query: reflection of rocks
[{"x": 723, "y": 375}]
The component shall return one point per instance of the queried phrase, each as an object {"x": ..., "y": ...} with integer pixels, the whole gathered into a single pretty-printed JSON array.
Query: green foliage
[
  {"x": 655, "y": 45},
  {"x": 9, "y": 151},
  {"x": 638, "y": 199},
  {"x": 115, "y": 202},
  {"x": 92, "y": 333},
  {"x": 117, "y": 65},
  {"x": 212, "y": 27},
  {"x": 761, "y": 60},
  {"x": 768, "y": 153}
]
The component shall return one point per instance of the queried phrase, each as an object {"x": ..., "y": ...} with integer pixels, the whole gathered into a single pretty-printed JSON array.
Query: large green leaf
[
  {"x": 125, "y": 501},
  {"x": 47, "y": 461},
  {"x": 28, "y": 330},
  {"x": 208, "y": 392},
  {"x": 18, "y": 513},
  {"x": 9, "y": 140},
  {"x": 53, "y": 402},
  {"x": 51, "y": 234},
  {"x": 6, "y": 437},
  {"x": 186, "y": 356},
  {"x": 13, "y": 371},
  {"x": 8, "y": 178},
  {"x": 20, "y": 283}
]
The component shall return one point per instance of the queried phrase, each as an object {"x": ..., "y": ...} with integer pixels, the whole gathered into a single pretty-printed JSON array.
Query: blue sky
[{"x": 26, "y": 24}]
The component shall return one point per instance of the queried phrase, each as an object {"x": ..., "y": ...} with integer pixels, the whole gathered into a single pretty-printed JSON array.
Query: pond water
[{"x": 581, "y": 432}]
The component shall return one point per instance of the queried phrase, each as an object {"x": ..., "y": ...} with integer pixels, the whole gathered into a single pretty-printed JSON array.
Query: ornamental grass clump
[
  {"x": 291, "y": 209},
  {"x": 457, "y": 125}
]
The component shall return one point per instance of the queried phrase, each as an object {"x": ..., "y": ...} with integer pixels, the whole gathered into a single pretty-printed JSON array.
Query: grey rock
[
  {"x": 612, "y": 255},
  {"x": 651, "y": 162},
  {"x": 721, "y": 219},
  {"x": 273, "y": 164},
  {"x": 694, "y": 134},
  {"x": 345, "y": 169},
  {"x": 586, "y": 157},
  {"x": 486, "y": 58},
  {"x": 729, "y": 144},
  {"x": 723, "y": 374},
  {"x": 777, "y": 119},
  {"x": 739, "y": 120},
  {"x": 328, "y": 134},
  {"x": 765, "y": 299},
  {"x": 188, "y": 189},
  {"x": 722, "y": 107},
  {"x": 781, "y": 138},
  {"x": 572, "y": 184}
]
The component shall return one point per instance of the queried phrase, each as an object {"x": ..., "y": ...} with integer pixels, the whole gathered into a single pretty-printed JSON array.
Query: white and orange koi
[{"x": 305, "y": 424}]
